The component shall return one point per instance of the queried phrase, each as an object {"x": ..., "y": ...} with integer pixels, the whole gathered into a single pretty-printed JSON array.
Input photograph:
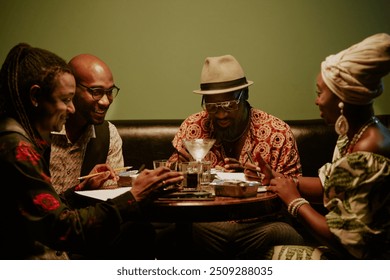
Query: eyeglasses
[
  {"x": 98, "y": 92},
  {"x": 228, "y": 106}
]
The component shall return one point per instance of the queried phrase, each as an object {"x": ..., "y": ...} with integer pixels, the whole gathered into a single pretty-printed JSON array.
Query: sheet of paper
[
  {"x": 104, "y": 194},
  {"x": 231, "y": 176}
]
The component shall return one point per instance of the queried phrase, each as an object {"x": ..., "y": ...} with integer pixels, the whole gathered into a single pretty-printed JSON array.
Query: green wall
[{"x": 156, "y": 48}]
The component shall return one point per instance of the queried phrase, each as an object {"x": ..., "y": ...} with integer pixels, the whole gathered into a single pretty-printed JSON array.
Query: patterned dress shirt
[
  {"x": 66, "y": 158},
  {"x": 268, "y": 137}
]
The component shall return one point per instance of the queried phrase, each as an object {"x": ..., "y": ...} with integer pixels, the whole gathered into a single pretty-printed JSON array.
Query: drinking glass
[
  {"x": 198, "y": 148},
  {"x": 164, "y": 162},
  {"x": 191, "y": 171}
]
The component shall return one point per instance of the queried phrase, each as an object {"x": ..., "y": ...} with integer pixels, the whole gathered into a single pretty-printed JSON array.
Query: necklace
[{"x": 359, "y": 134}]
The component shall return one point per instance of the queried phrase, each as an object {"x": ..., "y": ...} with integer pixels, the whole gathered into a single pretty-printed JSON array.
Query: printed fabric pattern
[
  {"x": 357, "y": 195},
  {"x": 36, "y": 214},
  {"x": 268, "y": 137},
  {"x": 66, "y": 158}
]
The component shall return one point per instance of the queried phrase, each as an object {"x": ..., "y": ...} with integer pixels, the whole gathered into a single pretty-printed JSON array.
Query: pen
[
  {"x": 98, "y": 173},
  {"x": 251, "y": 160},
  {"x": 142, "y": 167}
]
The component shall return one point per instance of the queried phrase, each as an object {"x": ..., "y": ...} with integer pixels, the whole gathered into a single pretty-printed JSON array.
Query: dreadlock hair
[{"x": 24, "y": 67}]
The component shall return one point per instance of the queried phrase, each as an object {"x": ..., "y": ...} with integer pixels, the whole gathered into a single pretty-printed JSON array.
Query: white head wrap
[{"x": 355, "y": 74}]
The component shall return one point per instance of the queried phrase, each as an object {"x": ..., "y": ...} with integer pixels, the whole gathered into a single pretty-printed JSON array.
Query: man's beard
[
  {"x": 227, "y": 134},
  {"x": 237, "y": 128}
]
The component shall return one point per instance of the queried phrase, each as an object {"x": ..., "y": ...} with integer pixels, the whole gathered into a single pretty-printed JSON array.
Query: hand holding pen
[
  {"x": 263, "y": 171},
  {"x": 102, "y": 172},
  {"x": 98, "y": 176},
  {"x": 252, "y": 168}
]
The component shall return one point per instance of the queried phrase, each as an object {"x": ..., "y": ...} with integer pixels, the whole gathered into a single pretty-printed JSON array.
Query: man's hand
[
  {"x": 103, "y": 173},
  {"x": 232, "y": 165},
  {"x": 149, "y": 182}
]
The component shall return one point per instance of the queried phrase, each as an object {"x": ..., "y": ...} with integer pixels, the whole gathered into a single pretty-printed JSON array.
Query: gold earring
[{"x": 341, "y": 127}]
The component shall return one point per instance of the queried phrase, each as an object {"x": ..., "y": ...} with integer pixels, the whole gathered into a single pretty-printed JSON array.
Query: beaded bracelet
[
  {"x": 295, "y": 209},
  {"x": 295, "y": 204},
  {"x": 291, "y": 204}
]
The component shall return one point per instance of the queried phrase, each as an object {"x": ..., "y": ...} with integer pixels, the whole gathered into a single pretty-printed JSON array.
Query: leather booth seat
[{"x": 146, "y": 140}]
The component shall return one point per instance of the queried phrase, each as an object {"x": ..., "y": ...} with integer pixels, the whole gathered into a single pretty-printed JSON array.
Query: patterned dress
[
  {"x": 37, "y": 219},
  {"x": 357, "y": 195},
  {"x": 268, "y": 137}
]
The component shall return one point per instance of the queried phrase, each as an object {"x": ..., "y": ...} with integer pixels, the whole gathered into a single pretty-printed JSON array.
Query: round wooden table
[{"x": 218, "y": 209}]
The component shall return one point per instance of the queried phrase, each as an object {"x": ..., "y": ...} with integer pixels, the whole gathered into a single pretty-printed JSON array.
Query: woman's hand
[
  {"x": 285, "y": 188},
  {"x": 149, "y": 182}
]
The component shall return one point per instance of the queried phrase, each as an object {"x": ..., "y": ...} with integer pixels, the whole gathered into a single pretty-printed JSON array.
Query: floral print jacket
[{"x": 35, "y": 217}]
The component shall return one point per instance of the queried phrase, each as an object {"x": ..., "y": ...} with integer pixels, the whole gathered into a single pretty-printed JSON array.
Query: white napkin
[{"x": 236, "y": 176}]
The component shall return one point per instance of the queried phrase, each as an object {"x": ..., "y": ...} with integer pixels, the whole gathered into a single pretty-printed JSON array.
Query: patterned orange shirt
[{"x": 268, "y": 137}]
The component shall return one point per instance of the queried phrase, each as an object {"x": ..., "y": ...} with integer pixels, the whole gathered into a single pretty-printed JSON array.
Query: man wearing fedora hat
[{"x": 242, "y": 133}]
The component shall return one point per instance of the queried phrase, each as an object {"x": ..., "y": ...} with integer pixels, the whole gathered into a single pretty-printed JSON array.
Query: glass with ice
[{"x": 198, "y": 148}]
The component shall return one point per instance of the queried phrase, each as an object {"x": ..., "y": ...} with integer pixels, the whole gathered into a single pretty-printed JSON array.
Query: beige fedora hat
[{"x": 222, "y": 74}]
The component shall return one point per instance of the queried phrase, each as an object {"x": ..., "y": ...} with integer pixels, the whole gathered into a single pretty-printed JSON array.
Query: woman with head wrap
[{"x": 354, "y": 187}]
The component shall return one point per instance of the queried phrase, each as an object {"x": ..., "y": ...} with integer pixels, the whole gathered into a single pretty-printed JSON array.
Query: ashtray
[
  {"x": 236, "y": 188},
  {"x": 126, "y": 178}
]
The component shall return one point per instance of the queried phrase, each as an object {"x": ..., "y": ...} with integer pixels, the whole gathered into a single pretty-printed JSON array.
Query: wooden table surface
[{"x": 219, "y": 209}]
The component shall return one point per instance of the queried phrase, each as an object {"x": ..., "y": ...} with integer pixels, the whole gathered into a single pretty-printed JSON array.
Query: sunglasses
[{"x": 228, "y": 106}]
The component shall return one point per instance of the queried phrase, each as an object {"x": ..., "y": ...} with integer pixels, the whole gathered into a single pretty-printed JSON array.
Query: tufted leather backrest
[
  {"x": 146, "y": 140},
  {"x": 316, "y": 142}
]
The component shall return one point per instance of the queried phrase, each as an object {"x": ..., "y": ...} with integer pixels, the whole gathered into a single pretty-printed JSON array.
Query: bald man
[{"x": 86, "y": 139}]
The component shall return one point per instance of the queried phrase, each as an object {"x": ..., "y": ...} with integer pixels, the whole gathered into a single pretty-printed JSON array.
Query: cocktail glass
[{"x": 198, "y": 148}]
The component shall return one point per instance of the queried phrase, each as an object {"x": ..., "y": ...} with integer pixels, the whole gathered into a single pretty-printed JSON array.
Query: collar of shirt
[{"x": 88, "y": 133}]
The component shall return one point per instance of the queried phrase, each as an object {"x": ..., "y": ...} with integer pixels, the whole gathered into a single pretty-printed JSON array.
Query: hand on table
[
  {"x": 148, "y": 182},
  {"x": 285, "y": 188}
]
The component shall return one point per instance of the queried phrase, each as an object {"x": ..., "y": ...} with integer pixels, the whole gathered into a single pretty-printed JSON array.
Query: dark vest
[{"x": 97, "y": 148}]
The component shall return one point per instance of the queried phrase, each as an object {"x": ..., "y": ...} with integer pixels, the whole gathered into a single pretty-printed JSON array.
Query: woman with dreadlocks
[{"x": 36, "y": 91}]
